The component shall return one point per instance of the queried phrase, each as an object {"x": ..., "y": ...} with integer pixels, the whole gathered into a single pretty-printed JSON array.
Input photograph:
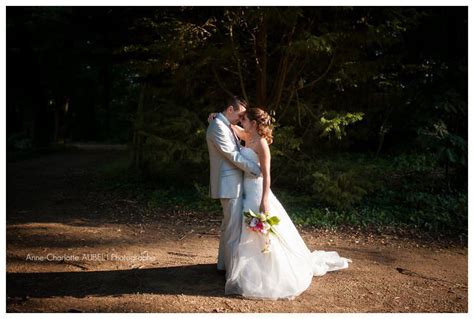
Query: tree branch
[
  {"x": 221, "y": 84},
  {"x": 321, "y": 77},
  {"x": 239, "y": 67}
]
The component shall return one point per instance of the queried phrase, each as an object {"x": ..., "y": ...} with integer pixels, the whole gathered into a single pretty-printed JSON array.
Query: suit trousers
[{"x": 229, "y": 231}]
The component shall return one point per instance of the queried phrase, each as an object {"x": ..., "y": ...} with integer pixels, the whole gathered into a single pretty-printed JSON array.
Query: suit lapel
[{"x": 222, "y": 117}]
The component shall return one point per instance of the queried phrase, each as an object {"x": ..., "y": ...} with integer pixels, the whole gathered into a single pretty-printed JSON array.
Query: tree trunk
[
  {"x": 283, "y": 69},
  {"x": 446, "y": 175},
  {"x": 261, "y": 61},
  {"x": 137, "y": 142},
  {"x": 106, "y": 97}
]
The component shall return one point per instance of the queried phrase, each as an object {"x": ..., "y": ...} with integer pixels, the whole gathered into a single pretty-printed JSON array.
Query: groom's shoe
[{"x": 221, "y": 271}]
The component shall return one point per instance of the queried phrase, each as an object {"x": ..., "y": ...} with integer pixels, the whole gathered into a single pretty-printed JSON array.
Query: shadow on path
[{"x": 199, "y": 280}]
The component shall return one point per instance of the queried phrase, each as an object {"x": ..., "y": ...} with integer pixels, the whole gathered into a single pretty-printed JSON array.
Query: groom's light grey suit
[{"x": 226, "y": 167}]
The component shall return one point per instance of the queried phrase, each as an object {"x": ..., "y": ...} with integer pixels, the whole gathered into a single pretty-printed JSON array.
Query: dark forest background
[{"x": 370, "y": 103}]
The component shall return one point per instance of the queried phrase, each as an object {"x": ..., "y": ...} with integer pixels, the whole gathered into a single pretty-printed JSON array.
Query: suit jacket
[{"x": 227, "y": 164}]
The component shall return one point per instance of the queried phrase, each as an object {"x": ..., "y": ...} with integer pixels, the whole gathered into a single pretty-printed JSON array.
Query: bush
[
  {"x": 19, "y": 141},
  {"x": 340, "y": 190}
]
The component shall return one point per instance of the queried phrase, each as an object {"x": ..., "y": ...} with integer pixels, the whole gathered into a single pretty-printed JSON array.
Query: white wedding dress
[{"x": 287, "y": 270}]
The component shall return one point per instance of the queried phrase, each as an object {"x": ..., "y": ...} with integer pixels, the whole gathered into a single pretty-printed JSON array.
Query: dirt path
[{"x": 113, "y": 254}]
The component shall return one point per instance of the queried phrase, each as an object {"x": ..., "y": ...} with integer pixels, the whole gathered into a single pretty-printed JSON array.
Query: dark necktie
[{"x": 235, "y": 137}]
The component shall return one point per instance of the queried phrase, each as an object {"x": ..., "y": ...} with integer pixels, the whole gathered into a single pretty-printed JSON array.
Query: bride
[{"x": 287, "y": 270}]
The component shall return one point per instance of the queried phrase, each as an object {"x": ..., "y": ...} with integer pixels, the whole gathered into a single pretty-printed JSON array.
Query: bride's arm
[
  {"x": 264, "y": 158},
  {"x": 239, "y": 131}
]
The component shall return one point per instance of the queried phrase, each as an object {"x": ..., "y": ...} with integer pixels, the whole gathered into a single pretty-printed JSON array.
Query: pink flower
[{"x": 253, "y": 222}]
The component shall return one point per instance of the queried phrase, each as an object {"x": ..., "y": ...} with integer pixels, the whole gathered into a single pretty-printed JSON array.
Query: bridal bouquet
[{"x": 262, "y": 223}]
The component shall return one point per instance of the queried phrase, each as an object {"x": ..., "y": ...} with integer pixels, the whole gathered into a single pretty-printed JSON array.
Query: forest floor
[{"x": 111, "y": 253}]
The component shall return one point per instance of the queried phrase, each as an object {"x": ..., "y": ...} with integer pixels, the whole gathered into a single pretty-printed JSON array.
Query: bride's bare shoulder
[
  {"x": 262, "y": 146},
  {"x": 262, "y": 141}
]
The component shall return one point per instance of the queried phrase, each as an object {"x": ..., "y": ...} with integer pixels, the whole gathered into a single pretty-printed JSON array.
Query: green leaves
[
  {"x": 335, "y": 123},
  {"x": 274, "y": 220},
  {"x": 340, "y": 190},
  {"x": 250, "y": 213},
  {"x": 286, "y": 142},
  {"x": 448, "y": 146},
  {"x": 313, "y": 44}
]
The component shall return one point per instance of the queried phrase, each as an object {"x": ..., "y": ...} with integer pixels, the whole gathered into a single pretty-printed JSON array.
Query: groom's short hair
[{"x": 235, "y": 101}]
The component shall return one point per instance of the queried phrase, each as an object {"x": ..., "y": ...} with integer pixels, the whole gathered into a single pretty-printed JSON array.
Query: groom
[{"x": 227, "y": 166}]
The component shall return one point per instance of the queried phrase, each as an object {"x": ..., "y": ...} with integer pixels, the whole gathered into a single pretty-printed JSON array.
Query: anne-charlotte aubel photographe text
[{"x": 88, "y": 257}]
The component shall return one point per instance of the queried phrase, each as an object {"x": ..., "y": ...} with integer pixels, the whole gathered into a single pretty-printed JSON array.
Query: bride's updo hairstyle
[{"x": 264, "y": 122}]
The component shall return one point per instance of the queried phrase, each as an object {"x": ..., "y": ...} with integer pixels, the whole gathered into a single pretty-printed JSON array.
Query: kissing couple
[{"x": 240, "y": 177}]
